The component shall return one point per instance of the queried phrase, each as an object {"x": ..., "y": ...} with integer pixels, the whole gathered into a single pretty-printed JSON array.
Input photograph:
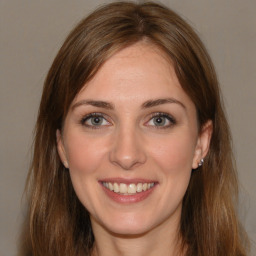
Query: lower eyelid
[
  {"x": 93, "y": 115},
  {"x": 164, "y": 126},
  {"x": 164, "y": 115},
  {"x": 169, "y": 118}
]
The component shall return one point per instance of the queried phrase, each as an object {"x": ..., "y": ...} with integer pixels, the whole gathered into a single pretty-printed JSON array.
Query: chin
[
  {"x": 128, "y": 224},
  {"x": 129, "y": 229}
]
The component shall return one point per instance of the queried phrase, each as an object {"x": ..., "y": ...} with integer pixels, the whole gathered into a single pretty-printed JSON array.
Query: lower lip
[{"x": 128, "y": 199}]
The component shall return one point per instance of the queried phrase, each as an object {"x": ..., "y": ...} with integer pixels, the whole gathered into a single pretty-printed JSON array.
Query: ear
[
  {"x": 203, "y": 143},
  {"x": 61, "y": 149}
]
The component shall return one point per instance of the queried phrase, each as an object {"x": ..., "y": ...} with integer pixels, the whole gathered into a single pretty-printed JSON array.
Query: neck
[{"x": 162, "y": 240}]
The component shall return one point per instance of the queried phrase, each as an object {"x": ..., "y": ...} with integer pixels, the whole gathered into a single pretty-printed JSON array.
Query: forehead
[{"x": 136, "y": 73}]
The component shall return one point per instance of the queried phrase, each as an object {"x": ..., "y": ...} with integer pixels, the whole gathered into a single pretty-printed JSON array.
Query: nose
[{"x": 127, "y": 150}]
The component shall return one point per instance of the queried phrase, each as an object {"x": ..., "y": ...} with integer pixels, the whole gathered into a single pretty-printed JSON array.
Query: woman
[{"x": 132, "y": 150}]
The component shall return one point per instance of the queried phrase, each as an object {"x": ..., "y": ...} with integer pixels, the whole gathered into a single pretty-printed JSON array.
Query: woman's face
[{"x": 130, "y": 141}]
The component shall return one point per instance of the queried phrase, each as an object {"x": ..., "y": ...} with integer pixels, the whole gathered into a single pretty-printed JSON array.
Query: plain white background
[{"x": 33, "y": 31}]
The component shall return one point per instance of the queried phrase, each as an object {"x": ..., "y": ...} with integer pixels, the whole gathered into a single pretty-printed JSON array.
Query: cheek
[
  {"x": 175, "y": 154},
  {"x": 84, "y": 154},
  {"x": 175, "y": 158}
]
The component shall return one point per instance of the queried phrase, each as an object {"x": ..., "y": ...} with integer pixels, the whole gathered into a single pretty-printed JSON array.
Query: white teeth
[
  {"x": 123, "y": 188},
  {"x": 116, "y": 188},
  {"x": 139, "y": 187},
  {"x": 132, "y": 189},
  {"x": 128, "y": 189},
  {"x": 110, "y": 186},
  {"x": 144, "y": 186}
]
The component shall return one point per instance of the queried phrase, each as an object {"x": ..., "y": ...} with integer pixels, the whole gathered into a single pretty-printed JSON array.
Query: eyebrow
[
  {"x": 95, "y": 103},
  {"x": 157, "y": 102},
  {"x": 110, "y": 106}
]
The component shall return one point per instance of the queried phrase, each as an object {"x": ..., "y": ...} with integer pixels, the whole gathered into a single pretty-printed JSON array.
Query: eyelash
[
  {"x": 154, "y": 115},
  {"x": 170, "y": 118},
  {"x": 92, "y": 115}
]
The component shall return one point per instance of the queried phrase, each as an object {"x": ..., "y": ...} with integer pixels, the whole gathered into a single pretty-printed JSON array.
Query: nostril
[
  {"x": 126, "y": 163},
  {"x": 127, "y": 159},
  {"x": 127, "y": 150}
]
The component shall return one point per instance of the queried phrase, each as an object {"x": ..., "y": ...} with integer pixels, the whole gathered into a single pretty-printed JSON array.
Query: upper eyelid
[
  {"x": 85, "y": 118},
  {"x": 162, "y": 114},
  {"x": 94, "y": 114},
  {"x": 172, "y": 121},
  {"x": 109, "y": 119}
]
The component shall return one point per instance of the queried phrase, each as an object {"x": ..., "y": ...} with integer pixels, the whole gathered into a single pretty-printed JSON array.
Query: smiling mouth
[{"x": 128, "y": 189}]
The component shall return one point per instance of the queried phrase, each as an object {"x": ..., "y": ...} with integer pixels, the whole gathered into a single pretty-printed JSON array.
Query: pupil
[
  {"x": 96, "y": 120},
  {"x": 159, "y": 121}
]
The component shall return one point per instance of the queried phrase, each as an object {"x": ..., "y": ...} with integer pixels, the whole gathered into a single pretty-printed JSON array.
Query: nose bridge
[{"x": 127, "y": 149}]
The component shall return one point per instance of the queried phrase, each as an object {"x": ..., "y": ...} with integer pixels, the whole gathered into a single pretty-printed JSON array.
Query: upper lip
[{"x": 127, "y": 181}]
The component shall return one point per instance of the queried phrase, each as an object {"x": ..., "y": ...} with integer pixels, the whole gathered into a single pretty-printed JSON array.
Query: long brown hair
[{"x": 58, "y": 224}]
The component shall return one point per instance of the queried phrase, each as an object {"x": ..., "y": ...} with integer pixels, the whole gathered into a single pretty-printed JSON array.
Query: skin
[{"x": 128, "y": 144}]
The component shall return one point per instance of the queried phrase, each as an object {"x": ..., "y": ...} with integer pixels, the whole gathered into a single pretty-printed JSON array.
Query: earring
[{"x": 201, "y": 162}]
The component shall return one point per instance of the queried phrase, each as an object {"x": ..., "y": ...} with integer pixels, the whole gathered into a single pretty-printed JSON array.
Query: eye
[
  {"x": 95, "y": 120},
  {"x": 161, "y": 120}
]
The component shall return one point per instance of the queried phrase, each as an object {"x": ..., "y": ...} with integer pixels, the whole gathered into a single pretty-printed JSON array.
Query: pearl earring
[{"x": 201, "y": 162}]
